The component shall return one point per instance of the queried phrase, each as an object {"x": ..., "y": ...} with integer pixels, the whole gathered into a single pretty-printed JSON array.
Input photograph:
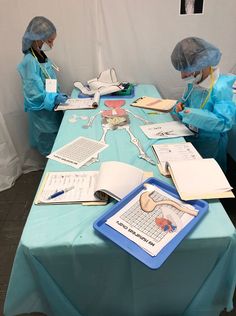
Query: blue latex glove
[{"x": 60, "y": 98}]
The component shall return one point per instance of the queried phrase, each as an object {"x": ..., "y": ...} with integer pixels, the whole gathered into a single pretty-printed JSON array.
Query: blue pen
[{"x": 60, "y": 192}]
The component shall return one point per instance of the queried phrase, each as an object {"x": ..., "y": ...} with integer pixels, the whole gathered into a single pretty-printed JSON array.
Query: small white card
[{"x": 51, "y": 85}]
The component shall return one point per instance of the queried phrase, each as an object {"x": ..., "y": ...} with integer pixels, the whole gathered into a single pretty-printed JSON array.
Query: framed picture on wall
[{"x": 190, "y": 7}]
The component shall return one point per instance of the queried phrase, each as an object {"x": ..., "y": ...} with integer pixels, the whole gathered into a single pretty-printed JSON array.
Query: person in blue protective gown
[
  {"x": 206, "y": 106},
  {"x": 40, "y": 88}
]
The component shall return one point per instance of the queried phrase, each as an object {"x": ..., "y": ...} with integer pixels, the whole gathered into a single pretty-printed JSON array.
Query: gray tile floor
[{"x": 15, "y": 204}]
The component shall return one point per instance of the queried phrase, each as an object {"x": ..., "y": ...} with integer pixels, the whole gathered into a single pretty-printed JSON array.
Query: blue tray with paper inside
[{"x": 153, "y": 262}]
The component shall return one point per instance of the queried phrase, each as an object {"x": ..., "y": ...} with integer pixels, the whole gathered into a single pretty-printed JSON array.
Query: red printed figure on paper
[{"x": 165, "y": 224}]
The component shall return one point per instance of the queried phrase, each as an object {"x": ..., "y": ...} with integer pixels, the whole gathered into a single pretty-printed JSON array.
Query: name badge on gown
[{"x": 51, "y": 85}]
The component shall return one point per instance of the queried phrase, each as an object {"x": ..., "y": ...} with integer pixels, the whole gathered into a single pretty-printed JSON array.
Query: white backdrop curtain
[{"x": 136, "y": 37}]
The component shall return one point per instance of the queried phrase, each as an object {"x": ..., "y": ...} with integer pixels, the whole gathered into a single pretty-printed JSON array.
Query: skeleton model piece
[
  {"x": 117, "y": 118},
  {"x": 105, "y": 83}
]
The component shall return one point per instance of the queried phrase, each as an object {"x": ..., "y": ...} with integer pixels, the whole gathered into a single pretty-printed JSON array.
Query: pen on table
[
  {"x": 153, "y": 113},
  {"x": 60, "y": 192}
]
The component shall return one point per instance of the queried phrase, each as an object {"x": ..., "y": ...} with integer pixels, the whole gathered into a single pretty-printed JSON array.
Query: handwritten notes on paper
[{"x": 83, "y": 184}]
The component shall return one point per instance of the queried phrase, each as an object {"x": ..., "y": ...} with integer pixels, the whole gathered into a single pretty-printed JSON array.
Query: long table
[{"x": 63, "y": 267}]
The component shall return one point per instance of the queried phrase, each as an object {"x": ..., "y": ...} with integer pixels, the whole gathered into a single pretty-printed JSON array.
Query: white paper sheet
[
  {"x": 83, "y": 184},
  {"x": 78, "y": 152},
  {"x": 198, "y": 178},
  {"x": 117, "y": 179},
  {"x": 166, "y": 130},
  {"x": 174, "y": 152},
  {"x": 141, "y": 228},
  {"x": 77, "y": 104}
]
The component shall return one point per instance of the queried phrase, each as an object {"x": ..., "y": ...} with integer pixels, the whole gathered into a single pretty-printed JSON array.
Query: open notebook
[
  {"x": 199, "y": 179},
  {"x": 173, "y": 152},
  {"x": 114, "y": 179}
]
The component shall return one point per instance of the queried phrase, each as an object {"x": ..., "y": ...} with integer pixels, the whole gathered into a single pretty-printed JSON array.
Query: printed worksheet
[
  {"x": 166, "y": 130},
  {"x": 77, "y": 187},
  {"x": 76, "y": 104},
  {"x": 174, "y": 152},
  {"x": 78, "y": 152},
  {"x": 151, "y": 230}
]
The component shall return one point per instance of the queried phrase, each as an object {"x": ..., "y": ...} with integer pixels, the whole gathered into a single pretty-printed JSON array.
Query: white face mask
[
  {"x": 45, "y": 47},
  {"x": 189, "y": 79},
  {"x": 192, "y": 79},
  {"x": 198, "y": 77}
]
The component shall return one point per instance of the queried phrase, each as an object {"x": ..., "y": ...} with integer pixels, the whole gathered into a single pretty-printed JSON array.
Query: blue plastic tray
[{"x": 132, "y": 248}]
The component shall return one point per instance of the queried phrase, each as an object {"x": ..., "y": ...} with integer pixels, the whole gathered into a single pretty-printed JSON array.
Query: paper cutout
[
  {"x": 165, "y": 224},
  {"x": 114, "y": 103}
]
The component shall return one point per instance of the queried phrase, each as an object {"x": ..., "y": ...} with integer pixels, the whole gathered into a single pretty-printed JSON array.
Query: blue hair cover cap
[
  {"x": 194, "y": 54},
  {"x": 39, "y": 28}
]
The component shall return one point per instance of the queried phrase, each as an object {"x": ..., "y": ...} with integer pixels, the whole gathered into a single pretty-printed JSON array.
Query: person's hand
[
  {"x": 179, "y": 107},
  {"x": 186, "y": 111},
  {"x": 60, "y": 98}
]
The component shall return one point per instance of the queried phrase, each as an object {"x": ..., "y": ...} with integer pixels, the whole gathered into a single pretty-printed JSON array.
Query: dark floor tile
[
  {"x": 10, "y": 233},
  {"x": 26, "y": 192},
  {"x": 4, "y": 209},
  {"x": 7, "y": 255},
  {"x": 3, "y": 290},
  {"x": 19, "y": 211},
  {"x": 24, "y": 188},
  {"x": 8, "y": 195},
  {"x": 31, "y": 177}
]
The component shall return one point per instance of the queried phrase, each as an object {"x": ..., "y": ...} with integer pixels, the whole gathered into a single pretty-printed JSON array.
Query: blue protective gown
[
  {"x": 43, "y": 121},
  {"x": 211, "y": 123}
]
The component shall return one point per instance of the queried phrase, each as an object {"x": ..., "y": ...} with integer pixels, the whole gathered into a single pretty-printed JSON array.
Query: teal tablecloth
[{"x": 63, "y": 268}]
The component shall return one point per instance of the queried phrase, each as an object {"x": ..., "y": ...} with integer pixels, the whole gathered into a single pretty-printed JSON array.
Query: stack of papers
[{"x": 199, "y": 179}]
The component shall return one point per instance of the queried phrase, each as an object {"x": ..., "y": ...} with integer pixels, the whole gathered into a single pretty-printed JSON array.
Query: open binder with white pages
[
  {"x": 151, "y": 221},
  {"x": 90, "y": 187},
  {"x": 173, "y": 152},
  {"x": 199, "y": 179}
]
